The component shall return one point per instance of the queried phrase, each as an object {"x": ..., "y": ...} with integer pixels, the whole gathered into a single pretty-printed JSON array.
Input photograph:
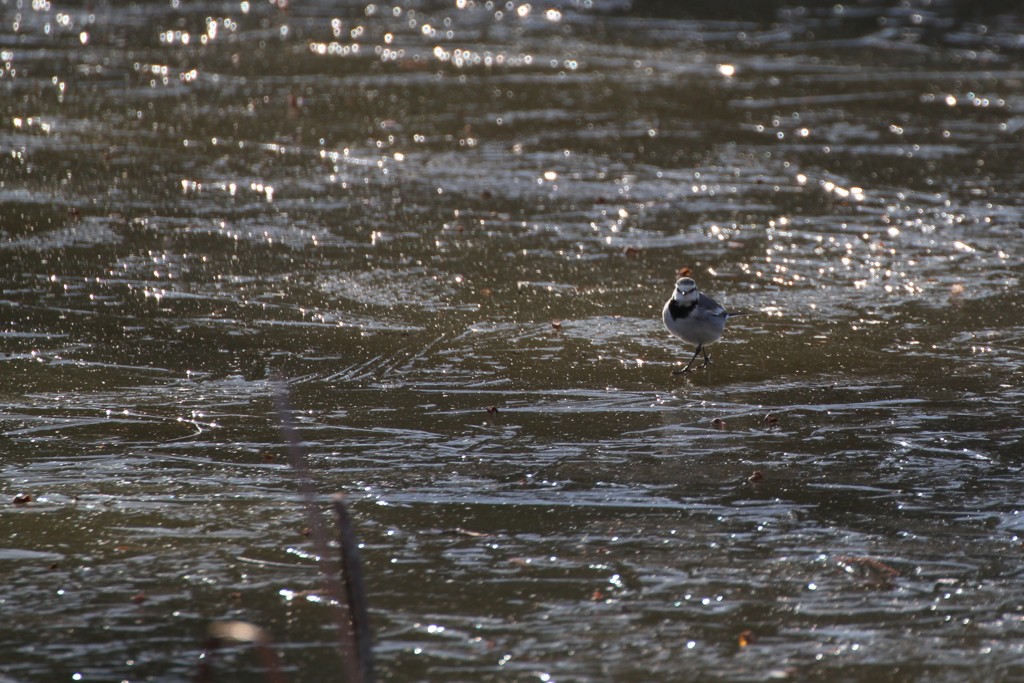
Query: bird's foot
[{"x": 689, "y": 368}]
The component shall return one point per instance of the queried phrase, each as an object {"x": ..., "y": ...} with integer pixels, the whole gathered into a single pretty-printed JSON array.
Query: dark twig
[
  {"x": 345, "y": 620},
  {"x": 358, "y": 604}
]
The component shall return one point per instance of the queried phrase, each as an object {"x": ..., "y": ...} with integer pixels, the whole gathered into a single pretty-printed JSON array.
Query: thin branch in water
[
  {"x": 348, "y": 626},
  {"x": 355, "y": 588}
]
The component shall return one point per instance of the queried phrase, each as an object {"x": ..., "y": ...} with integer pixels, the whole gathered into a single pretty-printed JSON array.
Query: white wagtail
[{"x": 694, "y": 317}]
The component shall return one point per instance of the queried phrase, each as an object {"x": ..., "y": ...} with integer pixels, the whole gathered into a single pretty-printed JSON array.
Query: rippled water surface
[{"x": 448, "y": 228}]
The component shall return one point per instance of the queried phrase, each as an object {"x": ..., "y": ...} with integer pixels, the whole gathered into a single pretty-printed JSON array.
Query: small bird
[{"x": 694, "y": 317}]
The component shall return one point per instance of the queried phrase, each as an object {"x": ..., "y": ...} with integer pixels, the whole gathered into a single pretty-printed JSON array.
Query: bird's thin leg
[
  {"x": 707, "y": 358},
  {"x": 687, "y": 368}
]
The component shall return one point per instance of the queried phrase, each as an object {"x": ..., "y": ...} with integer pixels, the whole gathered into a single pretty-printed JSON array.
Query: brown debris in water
[
  {"x": 876, "y": 574},
  {"x": 471, "y": 533}
]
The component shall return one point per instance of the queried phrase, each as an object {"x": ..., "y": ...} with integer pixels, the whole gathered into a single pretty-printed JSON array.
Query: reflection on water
[{"x": 451, "y": 228}]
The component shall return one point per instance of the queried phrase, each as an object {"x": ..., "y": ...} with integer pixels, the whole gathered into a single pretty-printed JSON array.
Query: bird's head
[{"x": 686, "y": 291}]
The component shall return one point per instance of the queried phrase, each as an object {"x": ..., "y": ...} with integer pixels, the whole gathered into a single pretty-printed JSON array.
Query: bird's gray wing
[{"x": 710, "y": 307}]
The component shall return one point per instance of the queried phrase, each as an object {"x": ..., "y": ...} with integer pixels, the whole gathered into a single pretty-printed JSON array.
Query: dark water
[{"x": 414, "y": 213}]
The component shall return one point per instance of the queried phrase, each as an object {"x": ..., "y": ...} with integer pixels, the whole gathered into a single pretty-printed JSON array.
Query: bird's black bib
[{"x": 678, "y": 310}]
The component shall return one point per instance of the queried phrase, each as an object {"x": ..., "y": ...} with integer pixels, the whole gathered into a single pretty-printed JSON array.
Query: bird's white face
[{"x": 686, "y": 291}]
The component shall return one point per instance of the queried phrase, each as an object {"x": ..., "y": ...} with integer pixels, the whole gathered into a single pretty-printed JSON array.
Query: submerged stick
[
  {"x": 358, "y": 604},
  {"x": 348, "y": 626}
]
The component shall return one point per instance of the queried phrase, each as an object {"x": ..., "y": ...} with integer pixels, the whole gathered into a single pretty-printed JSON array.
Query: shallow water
[{"x": 448, "y": 229}]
